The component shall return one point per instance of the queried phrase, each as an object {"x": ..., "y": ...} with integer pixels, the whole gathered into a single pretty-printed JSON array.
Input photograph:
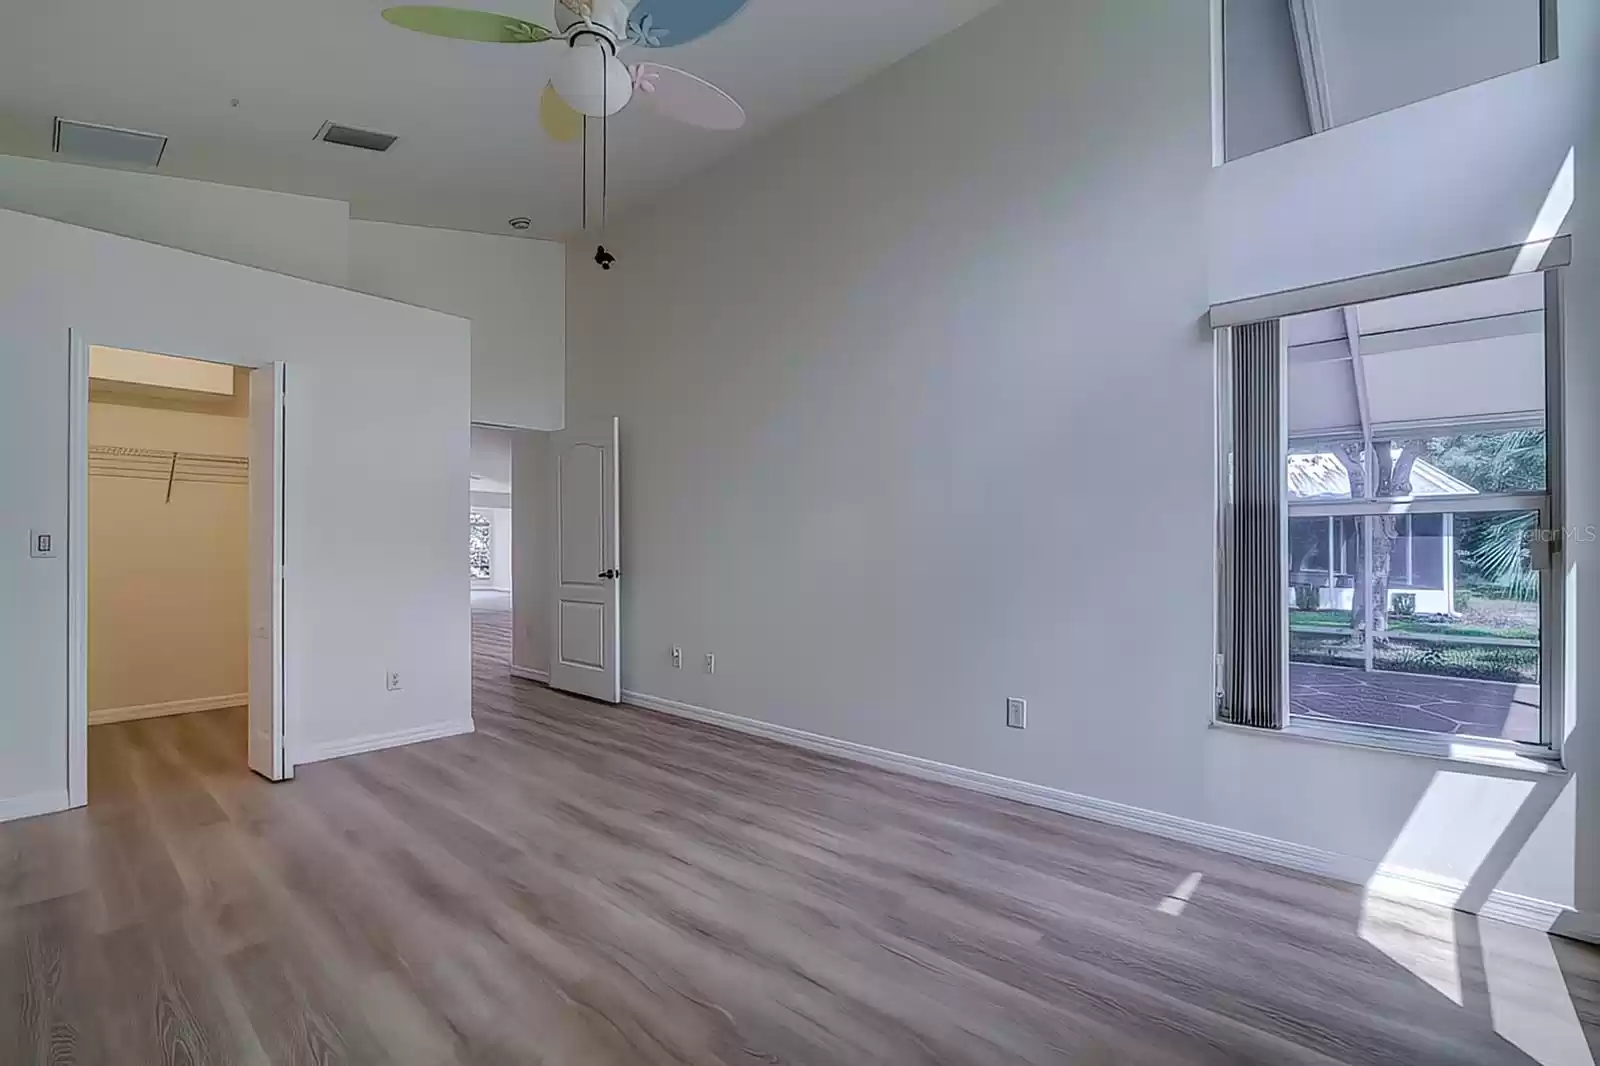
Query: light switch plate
[
  {"x": 42, "y": 544},
  {"x": 1017, "y": 713}
]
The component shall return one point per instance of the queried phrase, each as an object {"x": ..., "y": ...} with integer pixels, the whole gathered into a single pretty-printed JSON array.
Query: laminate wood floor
[{"x": 581, "y": 884}]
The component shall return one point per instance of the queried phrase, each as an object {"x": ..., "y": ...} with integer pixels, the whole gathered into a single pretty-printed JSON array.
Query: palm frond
[{"x": 1502, "y": 555}]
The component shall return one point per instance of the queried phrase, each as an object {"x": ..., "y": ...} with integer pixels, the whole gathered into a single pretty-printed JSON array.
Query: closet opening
[{"x": 176, "y": 554}]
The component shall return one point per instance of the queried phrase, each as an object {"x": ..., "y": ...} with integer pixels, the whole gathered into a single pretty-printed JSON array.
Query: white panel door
[
  {"x": 266, "y": 573},
  {"x": 586, "y": 631}
]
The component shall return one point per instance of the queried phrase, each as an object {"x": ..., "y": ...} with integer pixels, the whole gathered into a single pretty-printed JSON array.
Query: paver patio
[{"x": 1415, "y": 701}]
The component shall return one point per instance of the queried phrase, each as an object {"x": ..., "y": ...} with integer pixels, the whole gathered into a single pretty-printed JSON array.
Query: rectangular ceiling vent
[
  {"x": 351, "y": 137},
  {"x": 90, "y": 143}
]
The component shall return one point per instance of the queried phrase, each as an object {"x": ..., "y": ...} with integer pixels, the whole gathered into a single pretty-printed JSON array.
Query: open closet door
[
  {"x": 586, "y": 631},
  {"x": 266, "y": 573}
]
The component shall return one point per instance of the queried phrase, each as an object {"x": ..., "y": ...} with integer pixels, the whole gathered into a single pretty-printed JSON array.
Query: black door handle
[{"x": 611, "y": 575}]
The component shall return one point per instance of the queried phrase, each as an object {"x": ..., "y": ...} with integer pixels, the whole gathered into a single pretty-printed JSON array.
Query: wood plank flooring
[{"x": 587, "y": 885}]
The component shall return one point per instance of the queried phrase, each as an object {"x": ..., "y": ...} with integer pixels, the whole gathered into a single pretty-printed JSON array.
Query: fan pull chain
[{"x": 603, "y": 258}]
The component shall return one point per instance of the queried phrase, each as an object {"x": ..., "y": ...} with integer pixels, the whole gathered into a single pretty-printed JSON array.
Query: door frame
[{"x": 77, "y": 558}]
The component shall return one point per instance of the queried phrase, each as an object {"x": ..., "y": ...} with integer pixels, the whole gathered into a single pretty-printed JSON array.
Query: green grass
[
  {"x": 1515, "y": 665},
  {"x": 1327, "y": 618}
]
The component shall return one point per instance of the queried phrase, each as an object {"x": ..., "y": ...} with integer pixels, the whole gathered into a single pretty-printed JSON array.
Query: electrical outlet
[
  {"x": 392, "y": 682},
  {"x": 677, "y": 657},
  {"x": 711, "y": 663},
  {"x": 1017, "y": 713}
]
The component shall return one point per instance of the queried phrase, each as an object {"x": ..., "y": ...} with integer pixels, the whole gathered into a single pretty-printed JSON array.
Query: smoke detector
[{"x": 520, "y": 223}]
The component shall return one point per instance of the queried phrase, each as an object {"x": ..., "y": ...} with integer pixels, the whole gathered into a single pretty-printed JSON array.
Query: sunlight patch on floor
[
  {"x": 1180, "y": 897},
  {"x": 1420, "y": 938},
  {"x": 1528, "y": 998}
]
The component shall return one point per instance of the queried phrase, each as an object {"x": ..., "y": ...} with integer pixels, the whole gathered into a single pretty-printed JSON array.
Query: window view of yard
[{"x": 1453, "y": 596}]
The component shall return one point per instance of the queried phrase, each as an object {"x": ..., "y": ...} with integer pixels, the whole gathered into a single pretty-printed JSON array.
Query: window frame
[{"x": 1549, "y": 506}]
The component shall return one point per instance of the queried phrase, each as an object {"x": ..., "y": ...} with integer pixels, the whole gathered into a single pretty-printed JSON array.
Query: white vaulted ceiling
[
  {"x": 471, "y": 152},
  {"x": 1473, "y": 354}
]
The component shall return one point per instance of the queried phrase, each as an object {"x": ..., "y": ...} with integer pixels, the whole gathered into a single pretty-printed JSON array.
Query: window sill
[{"x": 1444, "y": 749}]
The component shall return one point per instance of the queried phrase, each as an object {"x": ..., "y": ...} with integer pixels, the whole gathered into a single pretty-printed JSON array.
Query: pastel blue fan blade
[{"x": 669, "y": 23}]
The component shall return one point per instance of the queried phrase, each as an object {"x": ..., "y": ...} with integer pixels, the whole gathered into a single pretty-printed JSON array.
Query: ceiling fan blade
[
  {"x": 669, "y": 23},
  {"x": 685, "y": 97},
  {"x": 463, "y": 25},
  {"x": 559, "y": 119}
]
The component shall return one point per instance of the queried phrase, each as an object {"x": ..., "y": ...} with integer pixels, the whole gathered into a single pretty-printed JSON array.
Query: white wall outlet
[
  {"x": 392, "y": 681},
  {"x": 1017, "y": 713},
  {"x": 711, "y": 663},
  {"x": 677, "y": 657},
  {"x": 42, "y": 544}
]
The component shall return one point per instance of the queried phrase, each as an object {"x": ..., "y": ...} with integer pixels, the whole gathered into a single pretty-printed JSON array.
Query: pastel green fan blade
[{"x": 464, "y": 25}]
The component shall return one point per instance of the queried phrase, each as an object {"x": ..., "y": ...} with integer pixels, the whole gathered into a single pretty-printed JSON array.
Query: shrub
[
  {"x": 1463, "y": 600},
  {"x": 1307, "y": 597},
  {"x": 1404, "y": 604}
]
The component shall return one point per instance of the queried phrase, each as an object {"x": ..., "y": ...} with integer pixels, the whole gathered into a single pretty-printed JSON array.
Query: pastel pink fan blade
[{"x": 680, "y": 95}]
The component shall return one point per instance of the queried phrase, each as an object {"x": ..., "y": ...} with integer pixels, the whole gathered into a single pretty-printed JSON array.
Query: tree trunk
[
  {"x": 1386, "y": 534},
  {"x": 1369, "y": 602},
  {"x": 1351, "y": 456},
  {"x": 1394, "y": 481}
]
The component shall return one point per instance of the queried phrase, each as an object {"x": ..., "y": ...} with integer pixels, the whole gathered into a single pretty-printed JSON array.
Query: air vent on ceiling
[
  {"x": 107, "y": 144},
  {"x": 352, "y": 137}
]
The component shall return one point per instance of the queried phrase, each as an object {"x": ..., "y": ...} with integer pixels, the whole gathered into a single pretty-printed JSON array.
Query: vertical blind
[{"x": 1253, "y": 651}]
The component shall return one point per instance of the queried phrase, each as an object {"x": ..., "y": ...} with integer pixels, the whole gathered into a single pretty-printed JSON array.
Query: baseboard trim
[
  {"x": 33, "y": 804},
  {"x": 107, "y": 715},
  {"x": 1389, "y": 882},
  {"x": 528, "y": 673},
  {"x": 338, "y": 749}
]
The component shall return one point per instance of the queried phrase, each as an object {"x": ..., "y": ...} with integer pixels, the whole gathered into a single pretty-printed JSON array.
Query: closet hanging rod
[{"x": 172, "y": 467}]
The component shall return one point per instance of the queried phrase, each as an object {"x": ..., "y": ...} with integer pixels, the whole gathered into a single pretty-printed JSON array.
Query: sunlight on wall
[
  {"x": 1408, "y": 917},
  {"x": 1452, "y": 827},
  {"x": 1557, "y": 203}
]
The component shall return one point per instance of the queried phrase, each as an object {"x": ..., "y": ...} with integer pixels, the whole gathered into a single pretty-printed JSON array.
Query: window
[
  {"x": 1294, "y": 68},
  {"x": 482, "y": 546},
  {"x": 1390, "y": 477}
]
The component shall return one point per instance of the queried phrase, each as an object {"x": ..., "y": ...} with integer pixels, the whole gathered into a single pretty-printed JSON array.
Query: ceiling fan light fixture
[{"x": 592, "y": 80}]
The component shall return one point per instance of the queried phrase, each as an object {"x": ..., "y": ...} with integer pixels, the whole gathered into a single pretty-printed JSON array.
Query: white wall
[
  {"x": 376, "y": 482},
  {"x": 513, "y": 290},
  {"x": 500, "y": 562},
  {"x": 168, "y": 574},
  {"x": 1265, "y": 96},
  {"x": 531, "y": 562},
  {"x": 297, "y": 235},
  {"x": 913, "y": 392},
  {"x": 491, "y": 457},
  {"x": 1389, "y": 190}
]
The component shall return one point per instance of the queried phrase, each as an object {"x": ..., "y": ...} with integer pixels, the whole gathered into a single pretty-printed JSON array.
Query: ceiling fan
[{"x": 590, "y": 80}]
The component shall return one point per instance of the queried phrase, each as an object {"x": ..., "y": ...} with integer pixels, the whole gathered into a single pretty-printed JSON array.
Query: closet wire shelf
[{"x": 148, "y": 464}]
